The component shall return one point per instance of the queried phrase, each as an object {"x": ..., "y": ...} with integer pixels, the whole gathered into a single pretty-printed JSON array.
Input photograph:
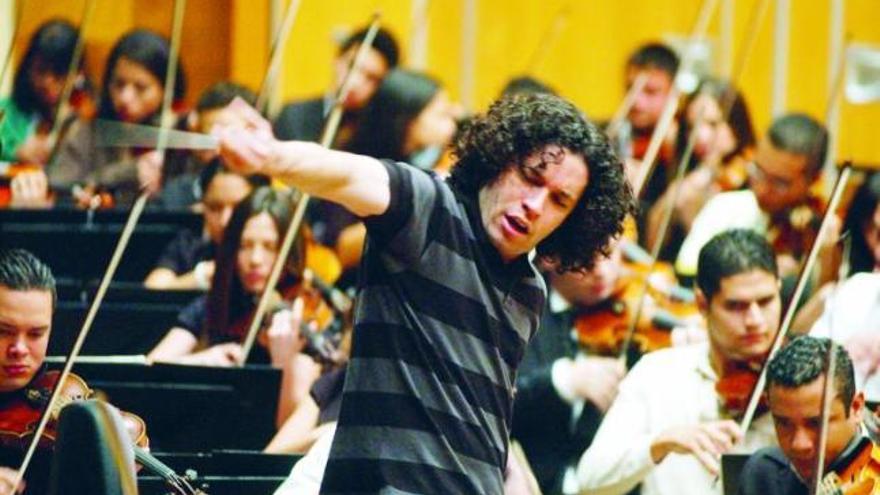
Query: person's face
[
  {"x": 871, "y": 231},
  {"x": 224, "y": 192},
  {"x": 259, "y": 246},
  {"x": 46, "y": 84},
  {"x": 529, "y": 200},
  {"x": 220, "y": 117},
  {"x": 778, "y": 178},
  {"x": 649, "y": 102},
  {"x": 743, "y": 316},
  {"x": 797, "y": 415},
  {"x": 25, "y": 321},
  {"x": 135, "y": 91},
  {"x": 365, "y": 81},
  {"x": 434, "y": 126},
  {"x": 587, "y": 289},
  {"x": 714, "y": 136}
]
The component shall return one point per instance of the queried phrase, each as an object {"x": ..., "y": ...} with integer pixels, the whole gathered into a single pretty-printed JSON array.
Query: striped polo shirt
[{"x": 440, "y": 327}]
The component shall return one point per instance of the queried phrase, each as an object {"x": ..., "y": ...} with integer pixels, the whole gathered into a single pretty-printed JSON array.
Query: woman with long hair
[{"x": 133, "y": 90}]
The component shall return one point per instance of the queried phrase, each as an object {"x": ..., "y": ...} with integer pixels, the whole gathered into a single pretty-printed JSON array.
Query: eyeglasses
[{"x": 777, "y": 183}]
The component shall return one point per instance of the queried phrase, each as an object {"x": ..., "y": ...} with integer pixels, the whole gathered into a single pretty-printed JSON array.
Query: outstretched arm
[{"x": 357, "y": 182}]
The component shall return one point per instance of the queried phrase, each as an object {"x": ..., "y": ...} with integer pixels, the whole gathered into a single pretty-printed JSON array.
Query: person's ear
[
  {"x": 192, "y": 121},
  {"x": 702, "y": 301}
]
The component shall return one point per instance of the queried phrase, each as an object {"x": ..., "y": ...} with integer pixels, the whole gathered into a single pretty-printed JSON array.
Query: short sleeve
[
  {"x": 414, "y": 195},
  {"x": 192, "y": 318}
]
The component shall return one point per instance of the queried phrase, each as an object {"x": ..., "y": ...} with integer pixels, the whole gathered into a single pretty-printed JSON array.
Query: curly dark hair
[
  {"x": 804, "y": 359},
  {"x": 518, "y": 125}
]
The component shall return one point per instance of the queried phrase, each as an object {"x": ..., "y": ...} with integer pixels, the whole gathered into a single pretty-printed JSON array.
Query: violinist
[
  {"x": 209, "y": 331},
  {"x": 29, "y": 113},
  {"x": 778, "y": 201},
  {"x": 724, "y": 144},
  {"x": 795, "y": 386},
  {"x": 39, "y": 81},
  {"x": 27, "y": 300},
  {"x": 656, "y": 64},
  {"x": 132, "y": 92},
  {"x": 669, "y": 425}
]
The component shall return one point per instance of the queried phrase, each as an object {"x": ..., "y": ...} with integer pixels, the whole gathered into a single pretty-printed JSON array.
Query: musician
[
  {"x": 668, "y": 425},
  {"x": 723, "y": 146},
  {"x": 132, "y": 91},
  {"x": 657, "y": 65},
  {"x": 39, "y": 80},
  {"x": 304, "y": 120},
  {"x": 778, "y": 201},
  {"x": 210, "y": 330},
  {"x": 187, "y": 262},
  {"x": 185, "y": 189},
  {"x": 795, "y": 386},
  {"x": 448, "y": 297},
  {"x": 27, "y": 300}
]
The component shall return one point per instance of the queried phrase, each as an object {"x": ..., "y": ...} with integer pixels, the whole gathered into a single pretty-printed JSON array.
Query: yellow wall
[{"x": 584, "y": 63}]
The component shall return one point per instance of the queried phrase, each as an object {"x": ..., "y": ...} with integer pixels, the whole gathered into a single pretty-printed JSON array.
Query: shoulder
[{"x": 766, "y": 468}]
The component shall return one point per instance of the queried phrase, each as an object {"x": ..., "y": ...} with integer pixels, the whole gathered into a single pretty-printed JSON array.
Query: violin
[
  {"x": 855, "y": 472},
  {"x": 602, "y": 329},
  {"x": 21, "y": 416},
  {"x": 735, "y": 386}
]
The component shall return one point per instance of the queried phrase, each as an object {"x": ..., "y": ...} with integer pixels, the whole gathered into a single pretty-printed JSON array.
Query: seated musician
[
  {"x": 132, "y": 92},
  {"x": 188, "y": 260},
  {"x": 778, "y": 201},
  {"x": 27, "y": 300},
  {"x": 669, "y": 425},
  {"x": 220, "y": 318},
  {"x": 28, "y": 114},
  {"x": 795, "y": 386},
  {"x": 562, "y": 392},
  {"x": 186, "y": 188}
]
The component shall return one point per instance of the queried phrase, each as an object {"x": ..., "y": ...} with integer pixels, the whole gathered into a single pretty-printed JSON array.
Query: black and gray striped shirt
[{"x": 441, "y": 325}]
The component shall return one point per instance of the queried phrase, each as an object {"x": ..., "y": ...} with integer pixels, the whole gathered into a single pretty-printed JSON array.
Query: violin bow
[
  {"x": 128, "y": 230},
  {"x": 728, "y": 99},
  {"x": 551, "y": 34},
  {"x": 331, "y": 125},
  {"x": 276, "y": 52},
  {"x": 7, "y": 57},
  {"x": 701, "y": 25},
  {"x": 807, "y": 268},
  {"x": 62, "y": 110},
  {"x": 830, "y": 369},
  {"x": 625, "y": 106}
]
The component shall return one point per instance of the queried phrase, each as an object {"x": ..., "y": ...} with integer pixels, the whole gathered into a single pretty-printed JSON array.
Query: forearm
[{"x": 357, "y": 182}]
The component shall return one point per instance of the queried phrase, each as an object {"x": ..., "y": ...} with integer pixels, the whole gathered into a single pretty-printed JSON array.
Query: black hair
[
  {"x": 655, "y": 56},
  {"x": 860, "y": 214},
  {"x": 222, "y": 93},
  {"x": 384, "y": 43},
  {"x": 730, "y": 253},
  {"x": 227, "y": 299},
  {"x": 216, "y": 167},
  {"x": 20, "y": 270},
  {"x": 801, "y": 134},
  {"x": 51, "y": 49},
  {"x": 805, "y": 359},
  {"x": 526, "y": 84},
  {"x": 519, "y": 125},
  {"x": 738, "y": 118},
  {"x": 384, "y": 121},
  {"x": 148, "y": 50}
]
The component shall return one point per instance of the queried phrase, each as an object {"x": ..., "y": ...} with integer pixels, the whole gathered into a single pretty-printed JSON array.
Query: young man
[
  {"x": 304, "y": 120},
  {"x": 777, "y": 203},
  {"x": 27, "y": 299},
  {"x": 668, "y": 426},
  {"x": 448, "y": 295},
  {"x": 795, "y": 386}
]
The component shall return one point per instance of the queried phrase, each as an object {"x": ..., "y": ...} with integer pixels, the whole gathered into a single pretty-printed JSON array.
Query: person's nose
[{"x": 533, "y": 202}]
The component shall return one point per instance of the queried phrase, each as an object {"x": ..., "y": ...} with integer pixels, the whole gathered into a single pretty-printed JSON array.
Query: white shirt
[
  {"x": 306, "y": 475},
  {"x": 725, "y": 211},
  {"x": 667, "y": 388},
  {"x": 853, "y": 307}
]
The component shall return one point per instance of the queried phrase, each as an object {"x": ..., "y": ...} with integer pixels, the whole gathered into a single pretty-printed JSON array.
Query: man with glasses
[{"x": 778, "y": 201}]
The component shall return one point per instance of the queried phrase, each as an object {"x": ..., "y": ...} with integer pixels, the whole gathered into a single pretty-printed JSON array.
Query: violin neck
[{"x": 179, "y": 484}]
